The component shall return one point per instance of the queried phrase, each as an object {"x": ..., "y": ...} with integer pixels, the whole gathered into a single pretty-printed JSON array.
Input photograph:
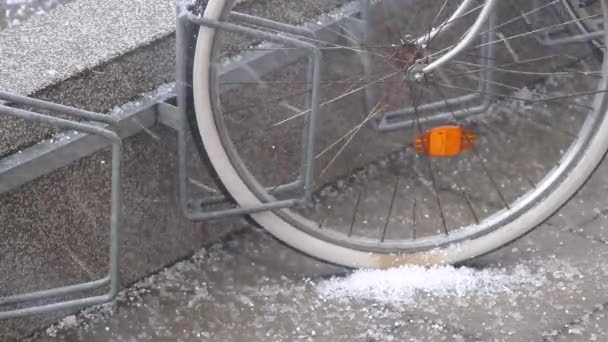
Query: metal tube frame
[
  {"x": 552, "y": 37},
  {"x": 105, "y": 131},
  {"x": 188, "y": 25}
]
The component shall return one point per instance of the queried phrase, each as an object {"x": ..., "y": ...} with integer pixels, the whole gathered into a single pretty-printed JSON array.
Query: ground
[{"x": 548, "y": 286}]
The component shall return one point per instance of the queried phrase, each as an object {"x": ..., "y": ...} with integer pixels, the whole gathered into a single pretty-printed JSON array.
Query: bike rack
[
  {"x": 106, "y": 135},
  {"x": 97, "y": 131},
  {"x": 91, "y": 132},
  {"x": 590, "y": 30}
]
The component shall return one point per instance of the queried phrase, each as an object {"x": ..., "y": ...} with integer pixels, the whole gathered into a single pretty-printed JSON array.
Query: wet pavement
[{"x": 548, "y": 286}]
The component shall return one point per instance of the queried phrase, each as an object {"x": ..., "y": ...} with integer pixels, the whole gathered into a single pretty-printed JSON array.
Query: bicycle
[
  {"x": 376, "y": 137},
  {"x": 446, "y": 218}
]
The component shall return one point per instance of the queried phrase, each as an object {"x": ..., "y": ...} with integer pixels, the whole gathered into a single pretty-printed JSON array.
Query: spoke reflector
[{"x": 444, "y": 141}]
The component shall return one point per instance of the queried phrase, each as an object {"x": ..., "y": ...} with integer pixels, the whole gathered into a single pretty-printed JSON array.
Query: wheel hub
[{"x": 411, "y": 58}]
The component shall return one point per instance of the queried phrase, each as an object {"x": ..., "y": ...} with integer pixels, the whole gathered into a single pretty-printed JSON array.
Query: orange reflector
[{"x": 444, "y": 141}]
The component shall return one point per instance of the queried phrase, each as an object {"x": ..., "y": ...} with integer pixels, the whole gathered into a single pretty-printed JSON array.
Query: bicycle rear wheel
[{"x": 529, "y": 123}]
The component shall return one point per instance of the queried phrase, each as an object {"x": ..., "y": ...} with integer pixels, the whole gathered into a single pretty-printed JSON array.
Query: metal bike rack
[
  {"x": 106, "y": 135},
  {"x": 590, "y": 30},
  {"x": 92, "y": 132}
]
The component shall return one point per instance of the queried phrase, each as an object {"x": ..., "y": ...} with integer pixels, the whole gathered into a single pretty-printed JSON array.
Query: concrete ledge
[
  {"x": 65, "y": 57},
  {"x": 76, "y": 37}
]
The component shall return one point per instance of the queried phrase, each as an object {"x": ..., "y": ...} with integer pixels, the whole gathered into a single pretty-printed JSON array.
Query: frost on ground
[
  {"x": 242, "y": 290},
  {"x": 404, "y": 284}
]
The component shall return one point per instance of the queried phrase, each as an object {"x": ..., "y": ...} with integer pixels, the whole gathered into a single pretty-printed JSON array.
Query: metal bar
[
  {"x": 243, "y": 211},
  {"x": 488, "y": 52},
  {"x": 437, "y": 117},
  {"x": 208, "y": 200},
  {"x": 250, "y": 32},
  {"x": 169, "y": 115},
  {"x": 572, "y": 39},
  {"x": 285, "y": 187},
  {"x": 249, "y": 19},
  {"x": 113, "y": 277},
  {"x": 60, "y": 291},
  {"x": 216, "y": 199},
  {"x": 72, "y": 304},
  {"x": 59, "y": 122},
  {"x": 266, "y": 61},
  {"x": 186, "y": 34},
  {"x": 116, "y": 218},
  {"x": 430, "y": 106},
  {"x": 40, "y": 159},
  {"x": 317, "y": 60},
  {"x": 28, "y": 101},
  {"x": 310, "y": 139},
  {"x": 366, "y": 61}
]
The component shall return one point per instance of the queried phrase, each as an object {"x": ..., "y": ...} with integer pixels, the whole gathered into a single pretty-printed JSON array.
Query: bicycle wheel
[{"x": 410, "y": 168}]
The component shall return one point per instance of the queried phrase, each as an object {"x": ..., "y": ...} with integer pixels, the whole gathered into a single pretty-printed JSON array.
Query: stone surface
[{"x": 251, "y": 287}]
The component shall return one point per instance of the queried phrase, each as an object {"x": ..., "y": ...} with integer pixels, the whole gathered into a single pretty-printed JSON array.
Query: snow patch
[{"x": 404, "y": 284}]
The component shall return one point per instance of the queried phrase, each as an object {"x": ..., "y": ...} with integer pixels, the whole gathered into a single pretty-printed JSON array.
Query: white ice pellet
[{"x": 403, "y": 284}]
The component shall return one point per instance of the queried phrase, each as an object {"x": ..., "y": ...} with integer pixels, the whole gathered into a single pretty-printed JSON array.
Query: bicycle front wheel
[{"x": 410, "y": 167}]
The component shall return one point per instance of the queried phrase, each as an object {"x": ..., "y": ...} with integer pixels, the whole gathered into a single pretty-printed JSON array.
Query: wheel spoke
[
  {"x": 352, "y": 222},
  {"x": 326, "y": 44},
  {"x": 541, "y": 100},
  {"x": 530, "y": 105},
  {"x": 336, "y": 98},
  {"x": 535, "y": 73},
  {"x": 350, "y": 37},
  {"x": 428, "y": 36},
  {"x": 414, "y": 99},
  {"x": 522, "y": 15},
  {"x": 524, "y": 62},
  {"x": 477, "y": 154},
  {"x": 380, "y": 108},
  {"x": 390, "y": 208},
  {"x": 516, "y": 36}
]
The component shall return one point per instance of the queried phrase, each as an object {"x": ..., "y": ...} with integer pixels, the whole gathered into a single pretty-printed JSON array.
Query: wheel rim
[{"x": 490, "y": 223}]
